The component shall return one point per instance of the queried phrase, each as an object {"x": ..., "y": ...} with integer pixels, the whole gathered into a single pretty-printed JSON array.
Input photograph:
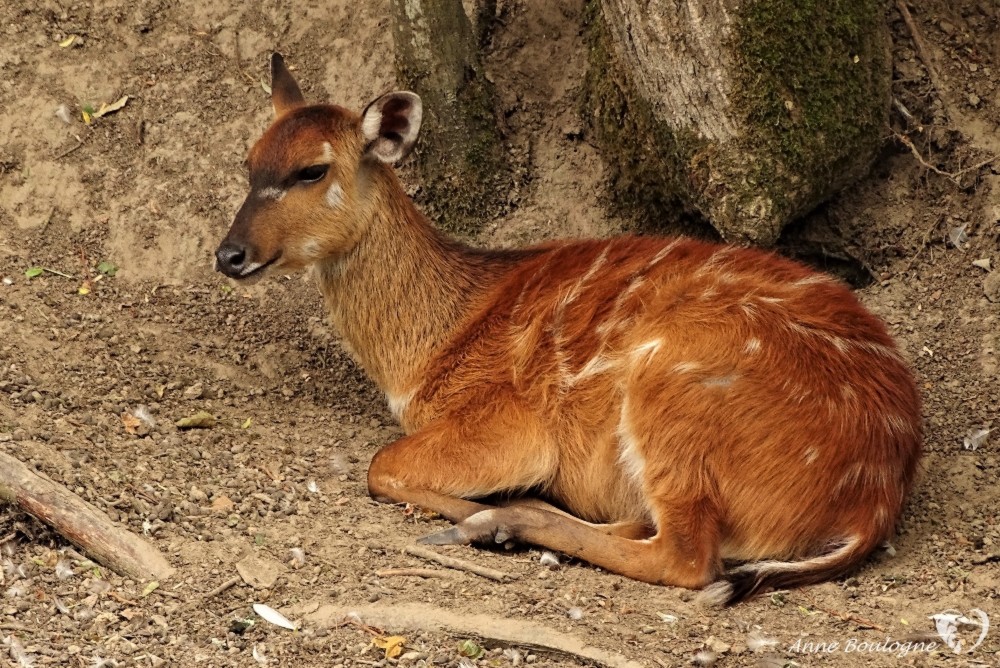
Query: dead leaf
[
  {"x": 67, "y": 42},
  {"x": 111, "y": 108},
  {"x": 393, "y": 645},
  {"x": 132, "y": 423},
  {"x": 200, "y": 420}
]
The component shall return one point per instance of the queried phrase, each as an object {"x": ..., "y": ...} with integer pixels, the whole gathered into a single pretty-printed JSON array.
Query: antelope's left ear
[{"x": 390, "y": 125}]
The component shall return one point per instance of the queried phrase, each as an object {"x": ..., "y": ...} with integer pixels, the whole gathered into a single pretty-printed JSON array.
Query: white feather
[{"x": 269, "y": 614}]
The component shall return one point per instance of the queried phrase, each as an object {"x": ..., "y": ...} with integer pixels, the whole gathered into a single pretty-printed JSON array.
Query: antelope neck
[{"x": 404, "y": 289}]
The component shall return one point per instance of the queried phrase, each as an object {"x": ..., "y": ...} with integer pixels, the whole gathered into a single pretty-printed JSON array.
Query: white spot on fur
[
  {"x": 879, "y": 349},
  {"x": 327, "y": 153},
  {"x": 647, "y": 349},
  {"x": 398, "y": 403},
  {"x": 750, "y": 309},
  {"x": 811, "y": 455},
  {"x": 815, "y": 279},
  {"x": 714, "y": 260},
  {"x": 334, "y": 195},
  {"x": 752, "y": 346},
  {"x": 663, "y": 252},
  {"x": 628, "y": 447},
  {"x": 896, "y": 424},
  {"x": 686, "y": 367},
  {"x": 721, "y": 381},
  {"x": 277, "y": 194},
  {"x": 595, "y": 366}
]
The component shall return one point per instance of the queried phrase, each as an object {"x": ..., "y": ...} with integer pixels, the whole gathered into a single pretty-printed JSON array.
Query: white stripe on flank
[{"x": 628, "y": 453}]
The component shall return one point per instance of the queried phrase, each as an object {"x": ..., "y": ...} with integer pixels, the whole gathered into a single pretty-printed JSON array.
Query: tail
[{"x": 745, "y": 581}]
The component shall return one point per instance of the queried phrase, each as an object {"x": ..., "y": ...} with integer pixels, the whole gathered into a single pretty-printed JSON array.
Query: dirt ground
[{"x": 278, "y": 484}]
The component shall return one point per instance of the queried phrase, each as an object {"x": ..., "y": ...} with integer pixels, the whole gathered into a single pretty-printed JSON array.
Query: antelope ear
[
  {"x": 285, "y": 93},
  {"x": 390, "y": 125}
]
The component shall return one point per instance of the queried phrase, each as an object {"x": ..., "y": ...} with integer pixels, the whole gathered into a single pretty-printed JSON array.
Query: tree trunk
[
  {"x": 748, "y": 112},
  {"x": 460, "y": 154}
]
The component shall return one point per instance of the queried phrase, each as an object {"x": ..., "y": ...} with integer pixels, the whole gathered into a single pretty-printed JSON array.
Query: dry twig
[
  {"x": 412, "y": 572},
  {"x": 954, "y": 177},
  {"x": 846, "y": 617},
  {"x": 457, "y": 564}
]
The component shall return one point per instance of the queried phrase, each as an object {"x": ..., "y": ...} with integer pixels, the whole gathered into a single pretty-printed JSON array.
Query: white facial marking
[
  {"x": 334, "y": 195},
  {"x": 327, "y": 153},
  {"x": 272, "y": 193},
  {"x": 250, "y": 268}
]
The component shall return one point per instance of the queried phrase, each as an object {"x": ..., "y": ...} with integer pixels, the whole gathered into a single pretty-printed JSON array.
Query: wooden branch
[
  {"x": 421, "y": 617},
  {"x": 413, "y": 572},
  {"x": 457, "y": 564},
  {"x": 81, "y": 523}
]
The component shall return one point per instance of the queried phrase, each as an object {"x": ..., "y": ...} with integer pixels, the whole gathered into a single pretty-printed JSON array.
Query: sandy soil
[{"x": 152, "y": 187}]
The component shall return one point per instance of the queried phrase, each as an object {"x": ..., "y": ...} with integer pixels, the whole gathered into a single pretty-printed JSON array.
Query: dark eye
[{"x": 311, "y": 174}]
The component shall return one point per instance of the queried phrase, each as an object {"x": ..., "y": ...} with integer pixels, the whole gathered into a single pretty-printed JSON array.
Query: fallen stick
[
  {"x": 81, "y": 523},
  {"x": 457, "y": 564},
  {"x": 846, "y": 617},
  {"x": 428, "y": 618},
  {"x": 412, "y": 572}
]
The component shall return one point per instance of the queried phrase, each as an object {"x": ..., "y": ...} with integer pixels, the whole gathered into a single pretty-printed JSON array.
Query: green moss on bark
[
  {"x": 810, "y": 94},
  {"x": 642, "y": 152},
  {"x": 813, "y": 83}
]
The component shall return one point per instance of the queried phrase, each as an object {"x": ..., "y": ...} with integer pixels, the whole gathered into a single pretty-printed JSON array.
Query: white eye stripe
[{"x": 272, "y": 193}]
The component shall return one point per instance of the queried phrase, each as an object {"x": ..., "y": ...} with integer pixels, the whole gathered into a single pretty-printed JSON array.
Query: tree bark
[
  {"x": 748, "y": 112},
  {"x": 460, "y": 155}
]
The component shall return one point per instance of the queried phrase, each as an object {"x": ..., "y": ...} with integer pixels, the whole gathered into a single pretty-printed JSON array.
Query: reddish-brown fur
[{"x": 682, "y": 403}]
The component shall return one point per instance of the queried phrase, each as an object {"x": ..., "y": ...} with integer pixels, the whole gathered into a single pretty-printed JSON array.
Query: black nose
[{"x": 231, "y": 259}]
